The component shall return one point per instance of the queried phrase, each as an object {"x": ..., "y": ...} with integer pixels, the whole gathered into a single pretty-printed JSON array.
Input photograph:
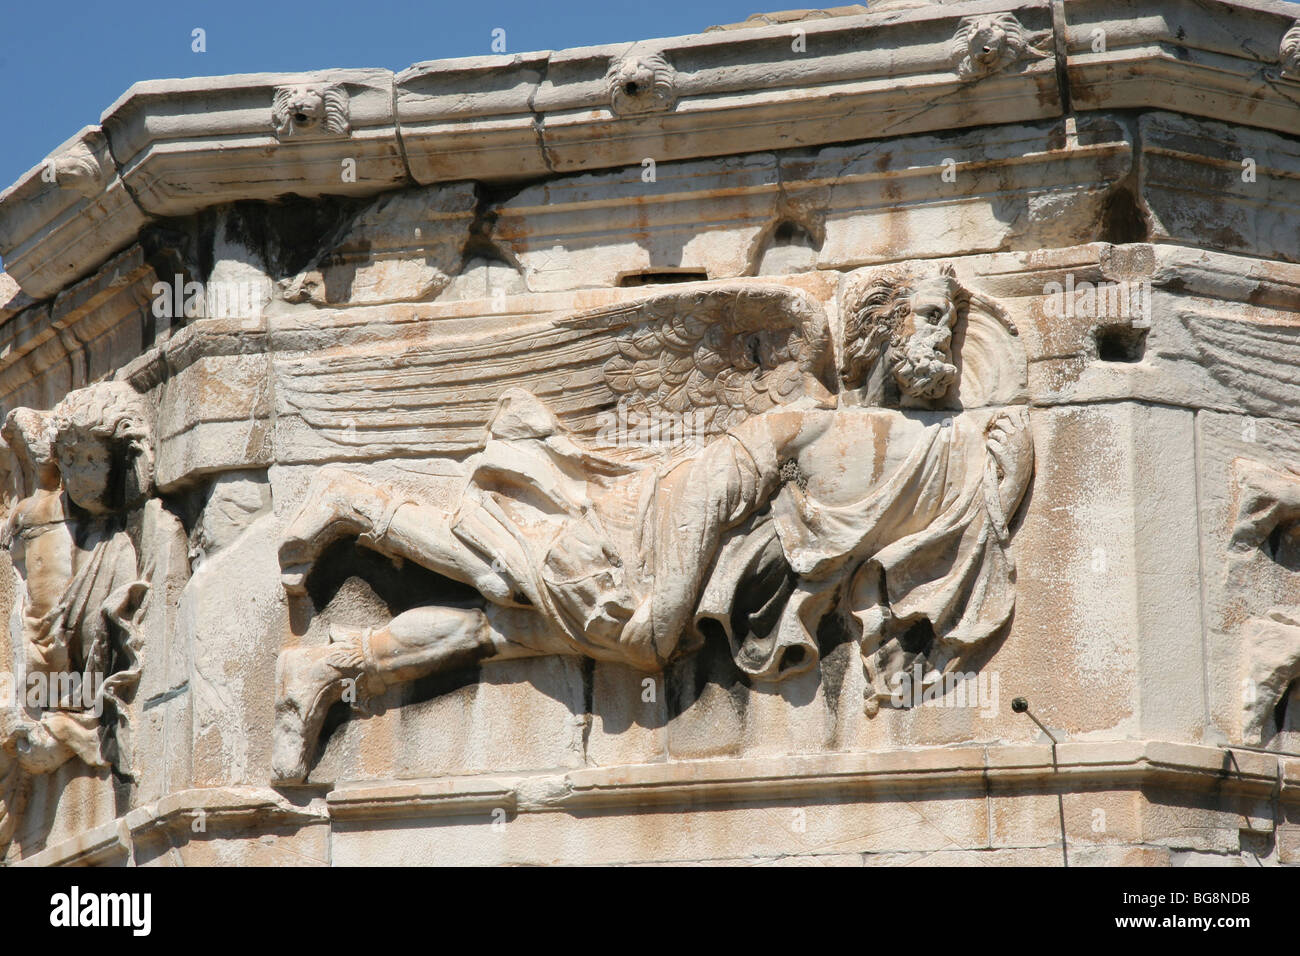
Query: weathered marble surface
[
  {"x": 892, "y": 72},
  {"x": 970, "y": 333}
]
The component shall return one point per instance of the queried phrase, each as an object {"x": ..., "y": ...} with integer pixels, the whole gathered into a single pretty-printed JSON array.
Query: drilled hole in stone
[
  {"x": 1121, "y": 343},
  {"x": 657, "y": 278},
  {"x": 300, "y": 117},
  {"x": 631, "y": 89}
]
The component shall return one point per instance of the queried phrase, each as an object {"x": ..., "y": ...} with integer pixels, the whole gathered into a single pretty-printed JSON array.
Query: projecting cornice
[
  {"x": 175, "y": 147},
  {"x": 971, "y": 771}
]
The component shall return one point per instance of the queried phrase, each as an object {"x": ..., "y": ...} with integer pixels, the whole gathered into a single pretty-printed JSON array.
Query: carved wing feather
[
  {"x": 1244, "y": 356},
  {"x": 723, "y": 353}
]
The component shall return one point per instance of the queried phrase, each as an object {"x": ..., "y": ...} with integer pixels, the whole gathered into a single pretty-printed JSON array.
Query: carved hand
[{"x": 1011, "y": 444}]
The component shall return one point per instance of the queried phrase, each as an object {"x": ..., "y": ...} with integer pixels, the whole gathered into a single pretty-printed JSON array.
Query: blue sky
[{"x": 62, "y": 63}]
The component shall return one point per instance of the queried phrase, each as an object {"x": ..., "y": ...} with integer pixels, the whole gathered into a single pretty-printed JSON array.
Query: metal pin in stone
[{"x": 1020, "y": 705}]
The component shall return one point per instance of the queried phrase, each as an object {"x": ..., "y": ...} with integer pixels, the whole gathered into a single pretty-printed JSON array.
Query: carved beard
[{"x": 921, "y": 370}]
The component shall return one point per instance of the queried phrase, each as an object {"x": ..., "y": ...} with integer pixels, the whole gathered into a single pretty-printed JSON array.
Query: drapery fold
[{"x": 727, "y": 543}]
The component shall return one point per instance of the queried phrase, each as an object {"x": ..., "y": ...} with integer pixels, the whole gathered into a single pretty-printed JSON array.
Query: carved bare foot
[
  {"x": 308, "y": 681},
  {"x": 337, "y": 505}
]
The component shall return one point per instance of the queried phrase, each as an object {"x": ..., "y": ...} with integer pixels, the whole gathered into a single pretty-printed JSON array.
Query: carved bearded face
[{"x": 921, "y": 354}]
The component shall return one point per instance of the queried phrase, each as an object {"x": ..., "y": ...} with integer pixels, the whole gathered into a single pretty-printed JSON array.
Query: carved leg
[
  {"x": 308, "y": 681},
  {"x": 12, "y": 792},
  {"x": 414, "y": 644},
  {"x": 338, "y": 504},
  {"x": 423, "y": 534}
]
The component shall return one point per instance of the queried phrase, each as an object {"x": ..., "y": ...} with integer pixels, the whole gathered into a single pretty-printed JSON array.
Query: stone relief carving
[
  {"x": 1268, "y": 509},
  {"x": 86, "y": 472},
  {"x": 310, "y": 111},
  {"x": 798, "y": 501},
  {"x": 1289, "y": 54},
  {"x": 79, "y": 167},
  {"x": 920, "y": 339},
  {"x": 641, "y": 82},
  {"x": 990, "y": 43},
  {"x": 725, "y": 354}
]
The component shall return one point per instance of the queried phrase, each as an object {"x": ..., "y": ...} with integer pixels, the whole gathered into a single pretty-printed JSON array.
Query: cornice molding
[
  {"x": 175, "y": 147},
  {"x": 915, "y": 774}
]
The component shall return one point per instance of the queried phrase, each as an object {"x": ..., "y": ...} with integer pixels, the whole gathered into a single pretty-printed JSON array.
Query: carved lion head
[
  {"x": 81, "y": 169},
  {"x": 310, "y": 110},
  {"x": 985, "y": 44},
  {"x": 641, "y": 83}
]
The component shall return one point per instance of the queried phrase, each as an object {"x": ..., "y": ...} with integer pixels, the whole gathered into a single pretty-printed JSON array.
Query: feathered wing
[
  {"x": 429, "y": 390},
  {"x": 720, "y": 354},
  {"x": 1259, "y": 364}
]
